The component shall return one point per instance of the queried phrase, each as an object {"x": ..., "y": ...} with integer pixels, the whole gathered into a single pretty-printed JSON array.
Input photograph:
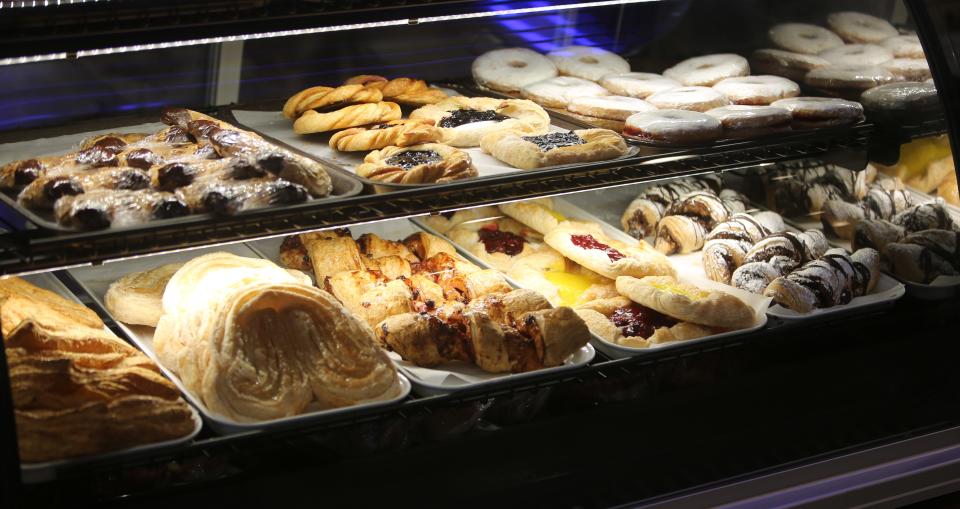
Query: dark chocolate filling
[
  {"x": 410, "y": 158},
  {"x": 548, "y": 142},
  {"x": 460, "y": 117}
]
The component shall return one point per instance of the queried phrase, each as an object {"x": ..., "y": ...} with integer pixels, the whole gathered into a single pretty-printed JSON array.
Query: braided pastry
[
  {"x": 329, "y": 99},
  {"x": 402, "y": 90},
  {"x": 351, "y": 116},
  {"x": 418, "y": 164},
  {"x": 399, "y": 133}
]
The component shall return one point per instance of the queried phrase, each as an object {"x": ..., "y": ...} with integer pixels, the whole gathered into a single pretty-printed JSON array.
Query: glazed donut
[
  {"x": 587, "y": 62},
  {"x": 612, "y": 107},
  {"x": 559, "y": 91},
  {"x": 510, "y": 69},
  {"x": 688, "y": 98},
  {"x": 814, "y": 112},
  {"x": 785, "y": 63},
  {"x": 909, "y": 69},
  {"x": 857, "y": 27},
  {"x": 757, "y": 90},
  {"x": 708, "y": 69},
  {"x": 673, "y": 126},
  {"x": 904, "y": 46},
  {"x": 803, "y": 38},
  {"x": 858, "y": 54},
  {"x": 637, "y": 84},
  {"x": 741, "y": 121},
  {"x": 903, "y": 100},
  {"x": 856, "y": 78}
]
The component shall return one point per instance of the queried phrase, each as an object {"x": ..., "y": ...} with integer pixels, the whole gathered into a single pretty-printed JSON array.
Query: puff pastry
[
  {"x": 587, "y": 244},
  {"x": 620, "y": 321},
  {"x": 504, "y": 241},
  {"x": 29, "y": 302},
  {"x": 417, "y": 164},
  {"x": 465, "y": 120},
  {"x": 687, "y": 302},
  {"x": 329, "y": 99},
  {"x": 136, "y": 298},
  {"x": 398, "y": 133},
  {"x": 537, "y": 214},
  {"x": 521, "y": 150},
  {"x": 350, "y": 116}
]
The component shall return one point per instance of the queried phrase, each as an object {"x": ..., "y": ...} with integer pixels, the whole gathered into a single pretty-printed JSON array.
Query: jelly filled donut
[
  {"x": 510, "y": 69},
  {"x": 785, "y": 63},
  {"x": 741, "y": 121},
  {"x": 908, "y": 69},
  {"x": 757, "y": 89},
  {"x": 848, "y": 80},
  {"x": 815, "y": 112},
  {"x": 708, "y": 69},
  {"x": 673, "y": 126},
  {"x": 559, "y": 91},
  {"x": 857, "y": 27},
  {"x": 637, "y": 84},
  {"x": 587, "y": 62},
  {"x": 904, "y": 46},
  {"x": 858, "y": 54},
  {"x": 688, "y": 98},
  {"x": 804, "y": 38}
]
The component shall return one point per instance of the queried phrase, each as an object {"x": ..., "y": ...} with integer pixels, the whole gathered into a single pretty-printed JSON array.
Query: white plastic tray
[
  {"x": 571, "y": 211},
  {"x": 450, "y": 377},
  {"x": 46, "y": 471},
  {"x": 887, "y": 292},
  {"x": 96, "y": 280}
]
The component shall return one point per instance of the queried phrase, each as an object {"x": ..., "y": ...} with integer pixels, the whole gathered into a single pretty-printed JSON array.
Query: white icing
[
  {"x": 587, "y": 62},
  {"x": 689, "y": 98},
  {"x": 511, "y": 69},
  {"x": 804, "y": 38},
  {"x": 757, "y": 89},
  {"x": 638, "y": 84},
  {"x": 708, "y": 69}
]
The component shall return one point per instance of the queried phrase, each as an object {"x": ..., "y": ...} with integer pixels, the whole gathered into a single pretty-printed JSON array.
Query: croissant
[
  {"x": 727, "y": 244},
  {"x": 799, "y": 247},
  {"x": 836, "y": 278}
]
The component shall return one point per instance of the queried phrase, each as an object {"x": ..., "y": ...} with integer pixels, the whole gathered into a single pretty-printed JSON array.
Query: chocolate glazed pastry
[
  {"x": 923, "y": 256},
  {"x": 644, "y": 212},
  {"x": 834, "y": 279},
  {"x": 684, "y": 228},
  {"x": 102, "y": 208},
  {"x": 42, "y": 193},
  {"x": 727, "y": 244}
]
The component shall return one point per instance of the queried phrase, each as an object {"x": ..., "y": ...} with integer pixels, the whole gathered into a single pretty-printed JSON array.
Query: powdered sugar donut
[
  {"x": 611, "y": 107},
  {"x": 904, "y": 46},
  {"x": 637, "y": 84},
  {"x": 857, "y": 27},
  {"x": 908, "y": 69},
  {"x": 559, "y": 91},
  {"x": 587, "y": 62},
  {"x": 673, "y": 126},
  {"x": 510, "y": 69},
  {"x": 757, "y": 90},
  {"x": 858, "y": 54},
  {"x": 708, "y": 69},
  {"x": 785, "y": 63},
  {"x": 688, "y": 98},
  {"x": 813, "y": 112},
  {"x": 804, "y": 38},
  {"x": 741, "y": 121},
  {"x": 856, "y": 78}
]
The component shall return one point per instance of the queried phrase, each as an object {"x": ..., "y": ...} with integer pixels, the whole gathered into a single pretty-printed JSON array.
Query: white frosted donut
[
  {"x": 908, "y": 69},
  {"x": 673, "y": 126},
  {"x": 637, "y": 84},
  {"x": 559, "y": 91},
  {"x": 708, "y": 69},
  {"x": 611, "y": 107},
  {"x": 757, "y": 90},
  {"x": 858, "y": 27},
  {"x": 858, "y": 54},
  {"x": 785, "y": 63},
  {"x": 859, "y": 77},
  {"x": 904, "y": 46},
  {"x": 587, "y": 62},
  {"x": 510, "y": 69},
  {"x": 812, "y": 112},
  {"x": 688, "y": 98},
  {"x": 740, "y": 121},
  {"x": 804, "y": 38}
]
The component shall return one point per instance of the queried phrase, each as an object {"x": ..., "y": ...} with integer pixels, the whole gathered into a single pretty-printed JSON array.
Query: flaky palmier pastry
[
  {"x": 527, "y": 152},
  {"x": 465, "y": 120},
  {"x": 350, "y": 116},
  {"x": 326, "y": 99},
  {"x": 402, "y": 90},
  {"x": 417, "y": 164},
  {"x": 687, "y": 302},
  {"x": 587, "y": 244},
  {"x": 621, "y": 321},
  {"x": 398, "y": 133},
  {"x": 137, "y": 297}
]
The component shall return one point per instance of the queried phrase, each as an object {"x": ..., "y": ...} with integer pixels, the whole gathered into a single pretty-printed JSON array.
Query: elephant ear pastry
[
  {"x": 687, "y": 302},
  {"x": 587, "y": 245}
]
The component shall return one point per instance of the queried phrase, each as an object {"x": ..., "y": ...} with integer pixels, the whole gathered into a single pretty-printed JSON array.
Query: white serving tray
[
  {"x": 887, "y": 292},
  {"x": 450, "y": 377},
  {"x": 47, "y": 471},
  {"x": 96, "y": 280},
  {"x": 571, "y": 211}
]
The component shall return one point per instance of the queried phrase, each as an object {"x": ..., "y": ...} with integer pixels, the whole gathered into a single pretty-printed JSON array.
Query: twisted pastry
[
  {"x": 642, "y": 215},
  {"x": 417, "y": 164},
  {"x": 325, "y": 99},
  {"x": 351, "y": 116},
  {"x": 402, "y": 90},
  {"x": 397, "y": 133}
]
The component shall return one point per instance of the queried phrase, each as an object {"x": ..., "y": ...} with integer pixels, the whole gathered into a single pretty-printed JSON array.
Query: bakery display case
[{"x": 662, "y": 253}]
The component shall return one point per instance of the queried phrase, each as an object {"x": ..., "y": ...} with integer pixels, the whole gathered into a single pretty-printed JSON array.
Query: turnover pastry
[
  {"x": 502, "y": 242},
  {"x": 465, "y": 120},
  {"x": 408, "y": 91},
  {"x": 621, "y": 321},
  {"x": 643, "y": 213},
  {"x": 527, "y": 152},
  {"x": 688, "y": 302},
  {"x": 355, "y": 115},
  {"x": 417, "y": 164},
  {"x": 685, "y": 226},
  {"x": 587, "y": 245},
  {"x": 398, "y": 133}
]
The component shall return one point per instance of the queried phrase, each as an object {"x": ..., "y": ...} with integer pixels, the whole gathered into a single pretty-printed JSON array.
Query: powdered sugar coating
[
  {"x": 637, "y": 84},
  {"x": 708, "y": 69},
  {"x": 757, "y": 90},
  {"x": 804, "y": 38},
  {"x": 857, "y": 54},
  {"x": 587, "y": 62},
  {"x": 689, "y": 98},
  {"x": 510, "y": 69},
  {"x": 673, "y": 126}
]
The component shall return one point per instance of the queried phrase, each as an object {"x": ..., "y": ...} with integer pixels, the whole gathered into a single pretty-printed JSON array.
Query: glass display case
[{"x": 665, "y": 253}]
